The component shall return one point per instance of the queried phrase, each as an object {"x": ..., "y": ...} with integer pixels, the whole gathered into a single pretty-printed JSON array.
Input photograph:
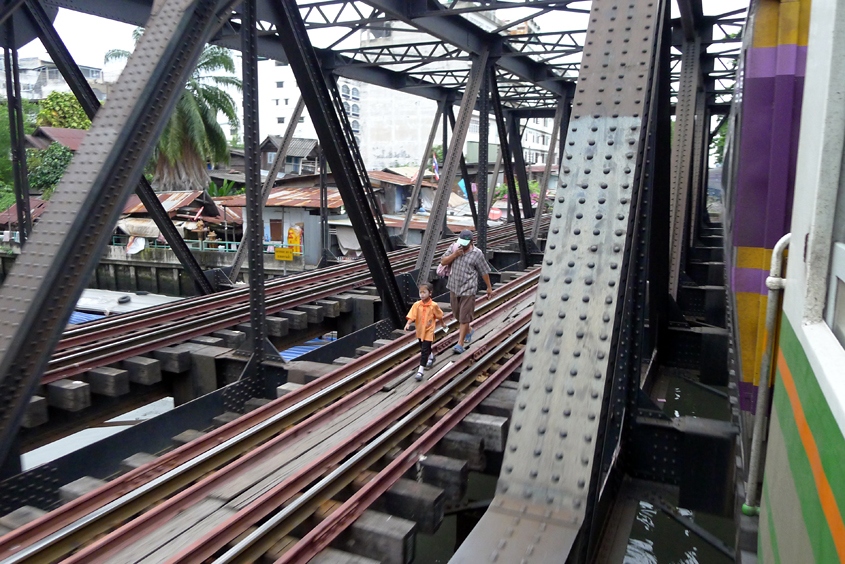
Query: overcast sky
[{"x": 89, "y": 37}]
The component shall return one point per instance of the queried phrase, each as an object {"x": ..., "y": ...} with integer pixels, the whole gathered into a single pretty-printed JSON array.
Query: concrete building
[{"x": 39, "y": 77}]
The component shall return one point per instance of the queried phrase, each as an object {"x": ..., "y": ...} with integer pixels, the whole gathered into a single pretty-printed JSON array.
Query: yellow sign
[{"x": 283, "y": 254}]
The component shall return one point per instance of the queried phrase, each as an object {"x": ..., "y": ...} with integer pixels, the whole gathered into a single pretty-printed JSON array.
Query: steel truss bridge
[{"x": 628, "y": 220}]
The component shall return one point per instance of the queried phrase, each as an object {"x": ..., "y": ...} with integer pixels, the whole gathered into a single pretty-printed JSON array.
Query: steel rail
[
  {"x": 94, "y": 330},
  {"x": 368, "y": 446},
  {"x": 111, "y": 349},
  {"x": 135, "y": 530},
  {"x": 186, "y": 463},
  {"x": 76, "y": 361},
  {"x": 320, "y": 536}
]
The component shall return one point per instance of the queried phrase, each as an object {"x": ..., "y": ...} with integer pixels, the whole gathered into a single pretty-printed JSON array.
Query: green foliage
[
  {"x": 227, "y": 189},
  {"x": 30, "y": 111},
  {"x": 192, "y": 136},
  {"x": 61, "y": 109},
  {"x": 717, "y": 146},
  {"x": 501, "y": 191},
  {"x": 7, "y": 196},
  {"x": 47, "y": 168},
  {"x": 438, "y": 150}
]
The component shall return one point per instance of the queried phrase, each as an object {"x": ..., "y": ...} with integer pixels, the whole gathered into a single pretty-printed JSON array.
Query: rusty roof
[
  {"x": 37, "y": 206},
  {"x": 171, "y": 201},
  {"x": 398, "y": 179},
  {"x": 306, "y": 197},
  {"x": 233, "y": 215},
  {"x": 70, "y": 138}
]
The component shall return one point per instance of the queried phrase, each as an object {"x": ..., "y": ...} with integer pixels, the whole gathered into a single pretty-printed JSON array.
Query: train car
[{"x": 785, "y": 251}]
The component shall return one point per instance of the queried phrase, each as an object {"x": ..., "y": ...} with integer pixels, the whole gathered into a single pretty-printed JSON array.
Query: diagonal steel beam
[
  {"x": 450, "y": 167},
  {"x": 309, "y": 78},
  {"x": 561, "y": 120},
  {"x": 513, "y": 200},
  {"x": 515, "y": 143},
  {"x": 46, "y": 280},
  {"x": 550, "y": 475},
  {"x": 464, "y": 172},
  {"x": 16, "y": 133},
  {"x": 415, "y": 193},
  {"x": 91, "y": 105}
]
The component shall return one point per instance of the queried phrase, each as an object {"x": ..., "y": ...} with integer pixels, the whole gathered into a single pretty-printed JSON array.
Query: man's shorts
[{"x": 463, "y": 307}]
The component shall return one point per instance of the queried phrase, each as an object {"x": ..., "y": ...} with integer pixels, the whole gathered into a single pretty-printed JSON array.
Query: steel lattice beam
[
  {"x": 551, "y": 474},
  {"x": 313, "y": 86},
  {"x": 91, "y": 105},
  {"x": 40, "y": 292}
]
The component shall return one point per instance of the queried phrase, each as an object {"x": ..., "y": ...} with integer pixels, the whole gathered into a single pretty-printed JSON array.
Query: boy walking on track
[{"x": 425, "y": 314}]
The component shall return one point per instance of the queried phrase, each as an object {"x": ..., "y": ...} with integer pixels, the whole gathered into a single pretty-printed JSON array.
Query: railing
[{"x": 213, "y": 246}]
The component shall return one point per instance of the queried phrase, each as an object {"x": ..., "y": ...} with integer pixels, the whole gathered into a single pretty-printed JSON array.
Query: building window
[
  {"x": 302, "y": 119},
  {"x": 355, "y": 109},
  {"x": 280, "y": 120},
  {"x": 344, "y": 90},
  {"x": 355, "y": 125},
  {"x": 346, "y": 107},
  {"x": 53, "y": 74},
  {"x": 835, "y": 314},
  {"x": 286, "y": 101},
  {"x": 473, "y": 125},
  {"x": 357, "y": 140},
  {"x": 271, "y": 157},
  {"x": 276, "y": 101},
  {"x": 280, "y": 84},
  {"x": 355, "y": 94}
]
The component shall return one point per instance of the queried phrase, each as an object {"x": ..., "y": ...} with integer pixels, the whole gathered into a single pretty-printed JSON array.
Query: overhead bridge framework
[{"x": 622, "y": 217}]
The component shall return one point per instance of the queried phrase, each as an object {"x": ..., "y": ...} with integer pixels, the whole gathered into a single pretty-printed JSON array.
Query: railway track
[
  {"x": 382, "y": 406},
  {"x": 111, "y": 340}
]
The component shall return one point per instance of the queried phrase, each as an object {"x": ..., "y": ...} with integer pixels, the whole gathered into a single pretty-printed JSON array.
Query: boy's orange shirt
[{"x": 424, "y": 316}]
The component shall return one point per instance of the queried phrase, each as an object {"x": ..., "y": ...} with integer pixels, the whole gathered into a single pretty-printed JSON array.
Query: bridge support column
[
  {"x": 450, "y": 167},
  {"x": 344, "y": 166},
  {"x": 412, "y": 202}
]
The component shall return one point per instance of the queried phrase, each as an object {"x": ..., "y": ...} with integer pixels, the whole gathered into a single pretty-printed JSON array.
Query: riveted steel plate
[{"x": 548, "y": 463}]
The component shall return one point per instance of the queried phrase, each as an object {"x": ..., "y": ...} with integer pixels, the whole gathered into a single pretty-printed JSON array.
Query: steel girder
[
  {"x": 579, "y": 344},
  {"x": 314, "y": 89},
  {"x": 681, "y": 159},
  {"x": 483, "y": 156},
  {"x": 504, "y": 145},
  {"x": 254, "y": 197},
  {"x": 515, "y": 143},
  {"x": 90, "y": 105},
  {"x": 560, "y": 122},
  {"x": 460, "y": 32},
  {"x": 415, "y": 193},
  {"x": 450, "y": 168},
  {"x": 47, "y": 278},
  {"x": 464, "y": 171},
  {"x": 16, "y": 132},
  {"x": 278, "y": 163}
]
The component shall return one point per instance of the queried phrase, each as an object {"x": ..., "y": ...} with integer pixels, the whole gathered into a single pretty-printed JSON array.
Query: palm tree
[{"x": 192, "y": 137}]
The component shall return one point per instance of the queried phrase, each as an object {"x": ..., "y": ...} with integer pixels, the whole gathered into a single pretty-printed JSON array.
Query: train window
[{"x": 835, "y": 314}]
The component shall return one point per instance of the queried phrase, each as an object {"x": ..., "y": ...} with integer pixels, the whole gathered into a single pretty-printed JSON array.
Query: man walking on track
[{"x": 467, "y": 264}]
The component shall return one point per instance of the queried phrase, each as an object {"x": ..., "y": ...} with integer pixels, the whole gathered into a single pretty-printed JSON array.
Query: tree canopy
[
  {"x": 192, "y": 137},
  {"x": 61, "y": 109}
]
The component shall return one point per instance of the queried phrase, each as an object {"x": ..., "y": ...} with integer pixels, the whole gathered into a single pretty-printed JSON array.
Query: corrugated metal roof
[
  {"x": 293, "y": 198},
  {"x": 9, "y": 217},
  {"x": 233, "y": 214},
  {"x": 398, "y": 179},
  {"x": 70, "y": 138},
  {"x": 170, "y": 200},
  {"x": 298, "y": 147}
]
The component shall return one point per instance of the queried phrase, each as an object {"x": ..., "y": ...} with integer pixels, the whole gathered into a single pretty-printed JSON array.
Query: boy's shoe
[
  {"x": 419, "y": 375},
  {"x": 459, "y": 349},
  {"x": 430, "y": 361},
  {"x": 468, "y": 338}
]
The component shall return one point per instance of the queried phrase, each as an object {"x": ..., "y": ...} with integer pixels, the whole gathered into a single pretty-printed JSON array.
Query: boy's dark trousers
[{"x": 425, "y": 351}]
